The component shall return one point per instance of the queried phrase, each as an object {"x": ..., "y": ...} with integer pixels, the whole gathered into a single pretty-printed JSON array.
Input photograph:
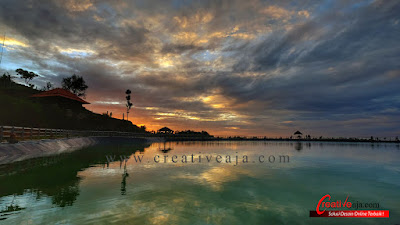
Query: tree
[
  {"x": 26, "y": 75},
  {"x": 75, "y": 84},
  {"x": 107, "y": 114},
  {"x": 6, "y": 80},
  {"x": 128, "y": 102},
  {"x": 48, "y": 87}
]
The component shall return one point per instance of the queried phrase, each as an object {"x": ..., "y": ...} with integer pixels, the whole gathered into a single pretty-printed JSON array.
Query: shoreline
[
  {"x": 23, "y": 150},
  {"x": 278, "y": 139}
]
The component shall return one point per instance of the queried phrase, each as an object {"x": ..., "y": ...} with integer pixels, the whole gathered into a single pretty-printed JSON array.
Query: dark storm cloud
[
  {"x": 47, "y": 23},
  {"x": 336, "y": 64},
  {"x": 180, "y": 48},
  {"x": 261, "y": 66}
]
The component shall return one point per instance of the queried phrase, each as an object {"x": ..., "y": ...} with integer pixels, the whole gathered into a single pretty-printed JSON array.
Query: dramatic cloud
[{"x": 230, "y": 67}]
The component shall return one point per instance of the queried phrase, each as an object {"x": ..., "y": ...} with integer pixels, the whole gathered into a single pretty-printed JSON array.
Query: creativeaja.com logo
[
  {"x": 337, "y": 204},
  {"x": 342, "y": 209}
]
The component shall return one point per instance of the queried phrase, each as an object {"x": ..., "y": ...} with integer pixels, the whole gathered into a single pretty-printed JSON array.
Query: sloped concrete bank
[{"x": 31, "y": 149}]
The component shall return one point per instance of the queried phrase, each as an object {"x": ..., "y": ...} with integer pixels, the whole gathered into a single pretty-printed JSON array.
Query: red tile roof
[{"x": 60, "y": 93}]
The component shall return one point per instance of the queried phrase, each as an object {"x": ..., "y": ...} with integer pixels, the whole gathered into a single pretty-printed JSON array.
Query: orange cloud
[
  {"x": 304, "y": 13},
  {"x": 276, "y": 12},
  {"x": 78, "y": 5},
  {"x": 14, "y": 42}
]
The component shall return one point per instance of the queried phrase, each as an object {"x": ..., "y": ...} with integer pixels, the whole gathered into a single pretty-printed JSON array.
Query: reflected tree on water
[
  {"x": 56, "y": 177},
  {"x": 66, "y": 196},
  {"x": 123, "y": 182}
]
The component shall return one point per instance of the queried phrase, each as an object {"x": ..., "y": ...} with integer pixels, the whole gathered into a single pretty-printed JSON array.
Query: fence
[{"x": 28, "y": 133}]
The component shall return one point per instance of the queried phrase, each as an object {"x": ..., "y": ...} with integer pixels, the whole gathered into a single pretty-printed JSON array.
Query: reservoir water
[{"x": 247, "y": 182}]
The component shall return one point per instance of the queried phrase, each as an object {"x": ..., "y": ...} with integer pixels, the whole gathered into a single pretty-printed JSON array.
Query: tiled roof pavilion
[{"x": 59, "y": 92}]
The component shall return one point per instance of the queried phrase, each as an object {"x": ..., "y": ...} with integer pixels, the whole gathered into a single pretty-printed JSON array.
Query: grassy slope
[{"x": 18, "y": 109}]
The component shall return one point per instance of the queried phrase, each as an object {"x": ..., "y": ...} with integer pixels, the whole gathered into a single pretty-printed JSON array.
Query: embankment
[{"x": 31, "y": 149}]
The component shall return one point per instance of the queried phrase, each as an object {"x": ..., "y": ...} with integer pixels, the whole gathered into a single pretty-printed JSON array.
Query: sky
[{"x": 230, "y": 67}]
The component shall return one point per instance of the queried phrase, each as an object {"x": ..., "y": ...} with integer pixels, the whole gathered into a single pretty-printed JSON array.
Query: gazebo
[
  {"x": 61, "y": 97},
  {"x": 298, "y": 133},
  {"x": 165, "y": 130}
]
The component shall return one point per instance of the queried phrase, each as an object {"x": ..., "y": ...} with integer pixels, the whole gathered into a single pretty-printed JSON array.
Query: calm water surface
[{"x": 83, "y": 188}]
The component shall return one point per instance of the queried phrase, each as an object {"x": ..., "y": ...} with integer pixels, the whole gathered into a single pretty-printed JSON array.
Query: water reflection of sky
[{"x": 218, "y": 193}]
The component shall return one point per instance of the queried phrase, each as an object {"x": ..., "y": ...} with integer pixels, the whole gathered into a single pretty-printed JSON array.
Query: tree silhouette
[
  {"x": 26, "y": 75},
  {"x": 6, "y": 80},
  {"x": 48, "y": 87},
  {"x": 128, "y": 102},
  {"x": 75, "y": 84}
]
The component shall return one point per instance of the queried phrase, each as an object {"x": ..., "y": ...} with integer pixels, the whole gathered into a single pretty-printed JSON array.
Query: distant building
[
  {"x": 298, "y": 133},
  {"x": 61, "y": 97},
  {"x": 165, "y": 130}
]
